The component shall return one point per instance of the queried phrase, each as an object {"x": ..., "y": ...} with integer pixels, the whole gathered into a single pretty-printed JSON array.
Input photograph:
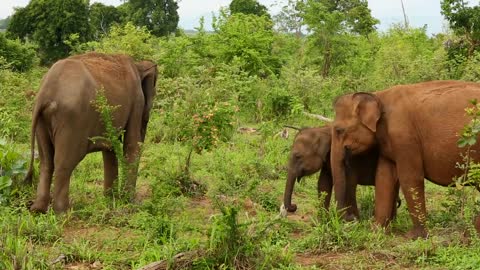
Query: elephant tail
[{"x": 36, "y": 113}]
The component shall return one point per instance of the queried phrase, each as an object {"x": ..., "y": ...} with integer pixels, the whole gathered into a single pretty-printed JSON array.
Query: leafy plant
[{"x": 13, "y": 167}]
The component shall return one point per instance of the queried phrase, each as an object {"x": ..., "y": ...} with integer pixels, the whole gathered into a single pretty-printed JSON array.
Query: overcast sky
[{"x": 419, "y": 12}]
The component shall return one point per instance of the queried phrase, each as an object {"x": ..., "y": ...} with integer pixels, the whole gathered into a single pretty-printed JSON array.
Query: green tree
[
  {"x": 331, "y": 23},
  {"x": 289, "y": 19},
  {"x": 49, "y": 23},
  {"x": 102, "y": 17},
  {"x": 247, "y": 40},
  {"x": 248, "y": 7},
  {"x": 464, "y": 21},
  {"x": 4, "y": 22},
  {"x": 159, "y": 16}
]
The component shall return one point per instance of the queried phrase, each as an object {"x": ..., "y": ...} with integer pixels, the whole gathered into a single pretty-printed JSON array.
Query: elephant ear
[
  {"x": 148, "y": 76},
  {"x": 368, "y": 109}
]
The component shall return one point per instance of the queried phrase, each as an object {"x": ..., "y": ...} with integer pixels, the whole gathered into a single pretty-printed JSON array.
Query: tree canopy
[
  {"x": 248, "y": 7},
  {"x": 159, "y": 16},
  {"x": 464, "y": 21},
  {"x": 49, "y": 23}
]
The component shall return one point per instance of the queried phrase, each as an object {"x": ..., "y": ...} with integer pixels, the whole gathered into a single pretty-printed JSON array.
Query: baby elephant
[{"x": 310, "y": 153}]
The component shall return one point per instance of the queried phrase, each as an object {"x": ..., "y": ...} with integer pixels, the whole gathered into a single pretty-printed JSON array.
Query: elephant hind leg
[
  {"x": 110, "y": 171},
  {"x": 70, "y": 151},
  {"x": 46, "y": 153}
]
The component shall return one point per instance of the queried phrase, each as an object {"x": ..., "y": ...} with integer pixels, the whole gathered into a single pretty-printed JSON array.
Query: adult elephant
[
  {"x": 310, "y": 153},
  {"x": 415, "y": 128},
  {"x": 65, "y": 120}
]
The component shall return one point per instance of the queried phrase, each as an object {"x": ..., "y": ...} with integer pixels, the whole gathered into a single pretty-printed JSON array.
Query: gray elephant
[
  {"x": 65, "y": 120},
  {"x": 310, "y": 153}
]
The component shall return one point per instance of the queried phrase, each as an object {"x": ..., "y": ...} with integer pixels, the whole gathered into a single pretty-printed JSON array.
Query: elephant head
[
  {"x": 353, "y": 132},
  {"x": 308, "y": 155},
  {"x": 148, "y": 76}
]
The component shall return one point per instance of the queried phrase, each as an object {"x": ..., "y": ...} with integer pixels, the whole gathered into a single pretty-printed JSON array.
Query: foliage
[
  {"x": 4, "y": 22},
  {"x": 246, "y": 39},
  {"x": 248, "y": 7},
  {"x": 16, "y": 56},
  {"x": 407, "y": 56},
  {"x": 13, "y": 167},
  {"x": 127, "y": 39},
  {"x": 158, "y": 16},
  {"x": 113, "y": 137},
  {"x": 332, "y": 23},
  {"x": 464, "y": 20},
  {"x": 289, "y": 19},
  {"x": 49, "y": 23},
  {"x": 102, "y": 17}
]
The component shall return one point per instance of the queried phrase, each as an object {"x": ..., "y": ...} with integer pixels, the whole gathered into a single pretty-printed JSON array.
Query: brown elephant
[
  {"x": 415, "y": 128},
  {"x": 310, "y": 153},
  {"x": 65, "y": 120}
]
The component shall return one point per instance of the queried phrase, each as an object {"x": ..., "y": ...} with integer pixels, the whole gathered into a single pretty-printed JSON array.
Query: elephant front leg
[
  {"x": 110, "y": 171},
  {"x": 386, "y": 192},
  {"x": 411, "y": 178}
]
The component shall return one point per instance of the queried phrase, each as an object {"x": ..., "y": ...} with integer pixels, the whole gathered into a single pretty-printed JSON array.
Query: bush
[{"x": 15, "y": 55}]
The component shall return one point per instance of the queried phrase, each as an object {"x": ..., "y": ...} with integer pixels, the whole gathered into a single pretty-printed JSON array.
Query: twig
[{"x": 319, "y": 117}]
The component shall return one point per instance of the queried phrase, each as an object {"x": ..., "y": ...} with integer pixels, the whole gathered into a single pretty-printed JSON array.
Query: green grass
[{"x": 234, "y": 224}]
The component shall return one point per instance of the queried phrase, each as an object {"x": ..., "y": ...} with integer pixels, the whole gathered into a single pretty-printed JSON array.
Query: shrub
[{"x": 16, "y": 55}]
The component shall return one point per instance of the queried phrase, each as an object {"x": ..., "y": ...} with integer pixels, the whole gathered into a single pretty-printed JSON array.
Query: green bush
[{"x": 15, "y": 55}]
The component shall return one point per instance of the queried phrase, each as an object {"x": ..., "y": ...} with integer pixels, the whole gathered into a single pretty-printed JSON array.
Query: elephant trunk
[
  {"x": 287, "y": 196},
  {"x": 337, "y": 159}
]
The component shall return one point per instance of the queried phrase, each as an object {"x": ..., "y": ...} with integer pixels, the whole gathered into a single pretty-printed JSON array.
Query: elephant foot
[
  {"x": 350, "y": 217},
  {"x": 39, "y": 207},
  {"x": 60, "y": 207},
  {"x": 416, "y": 233},
  {"x": 292, "y": 208}
]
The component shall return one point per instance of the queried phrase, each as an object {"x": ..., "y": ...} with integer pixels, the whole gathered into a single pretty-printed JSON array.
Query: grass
[
  {"x": 234, "y": 224},
  {"x": 225, "y": 211}
]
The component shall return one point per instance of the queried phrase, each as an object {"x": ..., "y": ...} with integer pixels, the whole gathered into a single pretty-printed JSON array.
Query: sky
[{"x": 419, "y": 12}]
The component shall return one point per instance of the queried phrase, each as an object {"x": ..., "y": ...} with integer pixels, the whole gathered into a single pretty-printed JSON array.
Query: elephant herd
[{"x": 392, "y": 139}]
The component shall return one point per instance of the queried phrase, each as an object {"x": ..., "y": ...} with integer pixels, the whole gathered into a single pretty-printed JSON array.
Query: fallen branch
[
  {"x": 180, "y": 261},
  {"x": 319, "y": 117}
]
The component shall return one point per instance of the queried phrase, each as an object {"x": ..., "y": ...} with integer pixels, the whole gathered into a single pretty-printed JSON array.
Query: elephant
[
  {"x": 310, "y": 153},
  {"x": 415, "y": 128},
  {"x": 65, "y": 120}
]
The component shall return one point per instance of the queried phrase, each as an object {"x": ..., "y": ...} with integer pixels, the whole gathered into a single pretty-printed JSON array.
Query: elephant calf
[
  {"x": 310, "y": 153},
  {"x": 65, "y": 120}
]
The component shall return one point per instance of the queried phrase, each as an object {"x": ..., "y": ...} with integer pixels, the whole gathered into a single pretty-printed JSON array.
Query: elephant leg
[
  {"x": 325, "y": 184},
  {"x": 110, "y": 171},
  {"x": 46, "y": 152},
  {"x": 397, "y": 201},
  {"x": 411, "y": 177},
  {"x": 131, "y": 149},
  {"x": 351, "y": 196},
  {"x": 69, "y": 152},
  {"x": 386, "y": 190}
]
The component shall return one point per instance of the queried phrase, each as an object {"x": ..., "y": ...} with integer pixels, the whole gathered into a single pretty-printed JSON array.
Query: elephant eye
[{"x": 339, "y": 130}]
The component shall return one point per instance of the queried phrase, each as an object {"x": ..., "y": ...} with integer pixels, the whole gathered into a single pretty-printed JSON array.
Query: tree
[
  {"x": 289, "y": 19},
  {"x": 464, "y": 21},
  {"x": 248, "y": 7},
  {"x": 4, "y": 22},
  {"x": 49, "y": 23},
  {"x": 246, "y": 40},
  {"x": 159, "y": 16},
  {"x": 331, "y": 23},
  {"x": 102, "y": 17}
]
